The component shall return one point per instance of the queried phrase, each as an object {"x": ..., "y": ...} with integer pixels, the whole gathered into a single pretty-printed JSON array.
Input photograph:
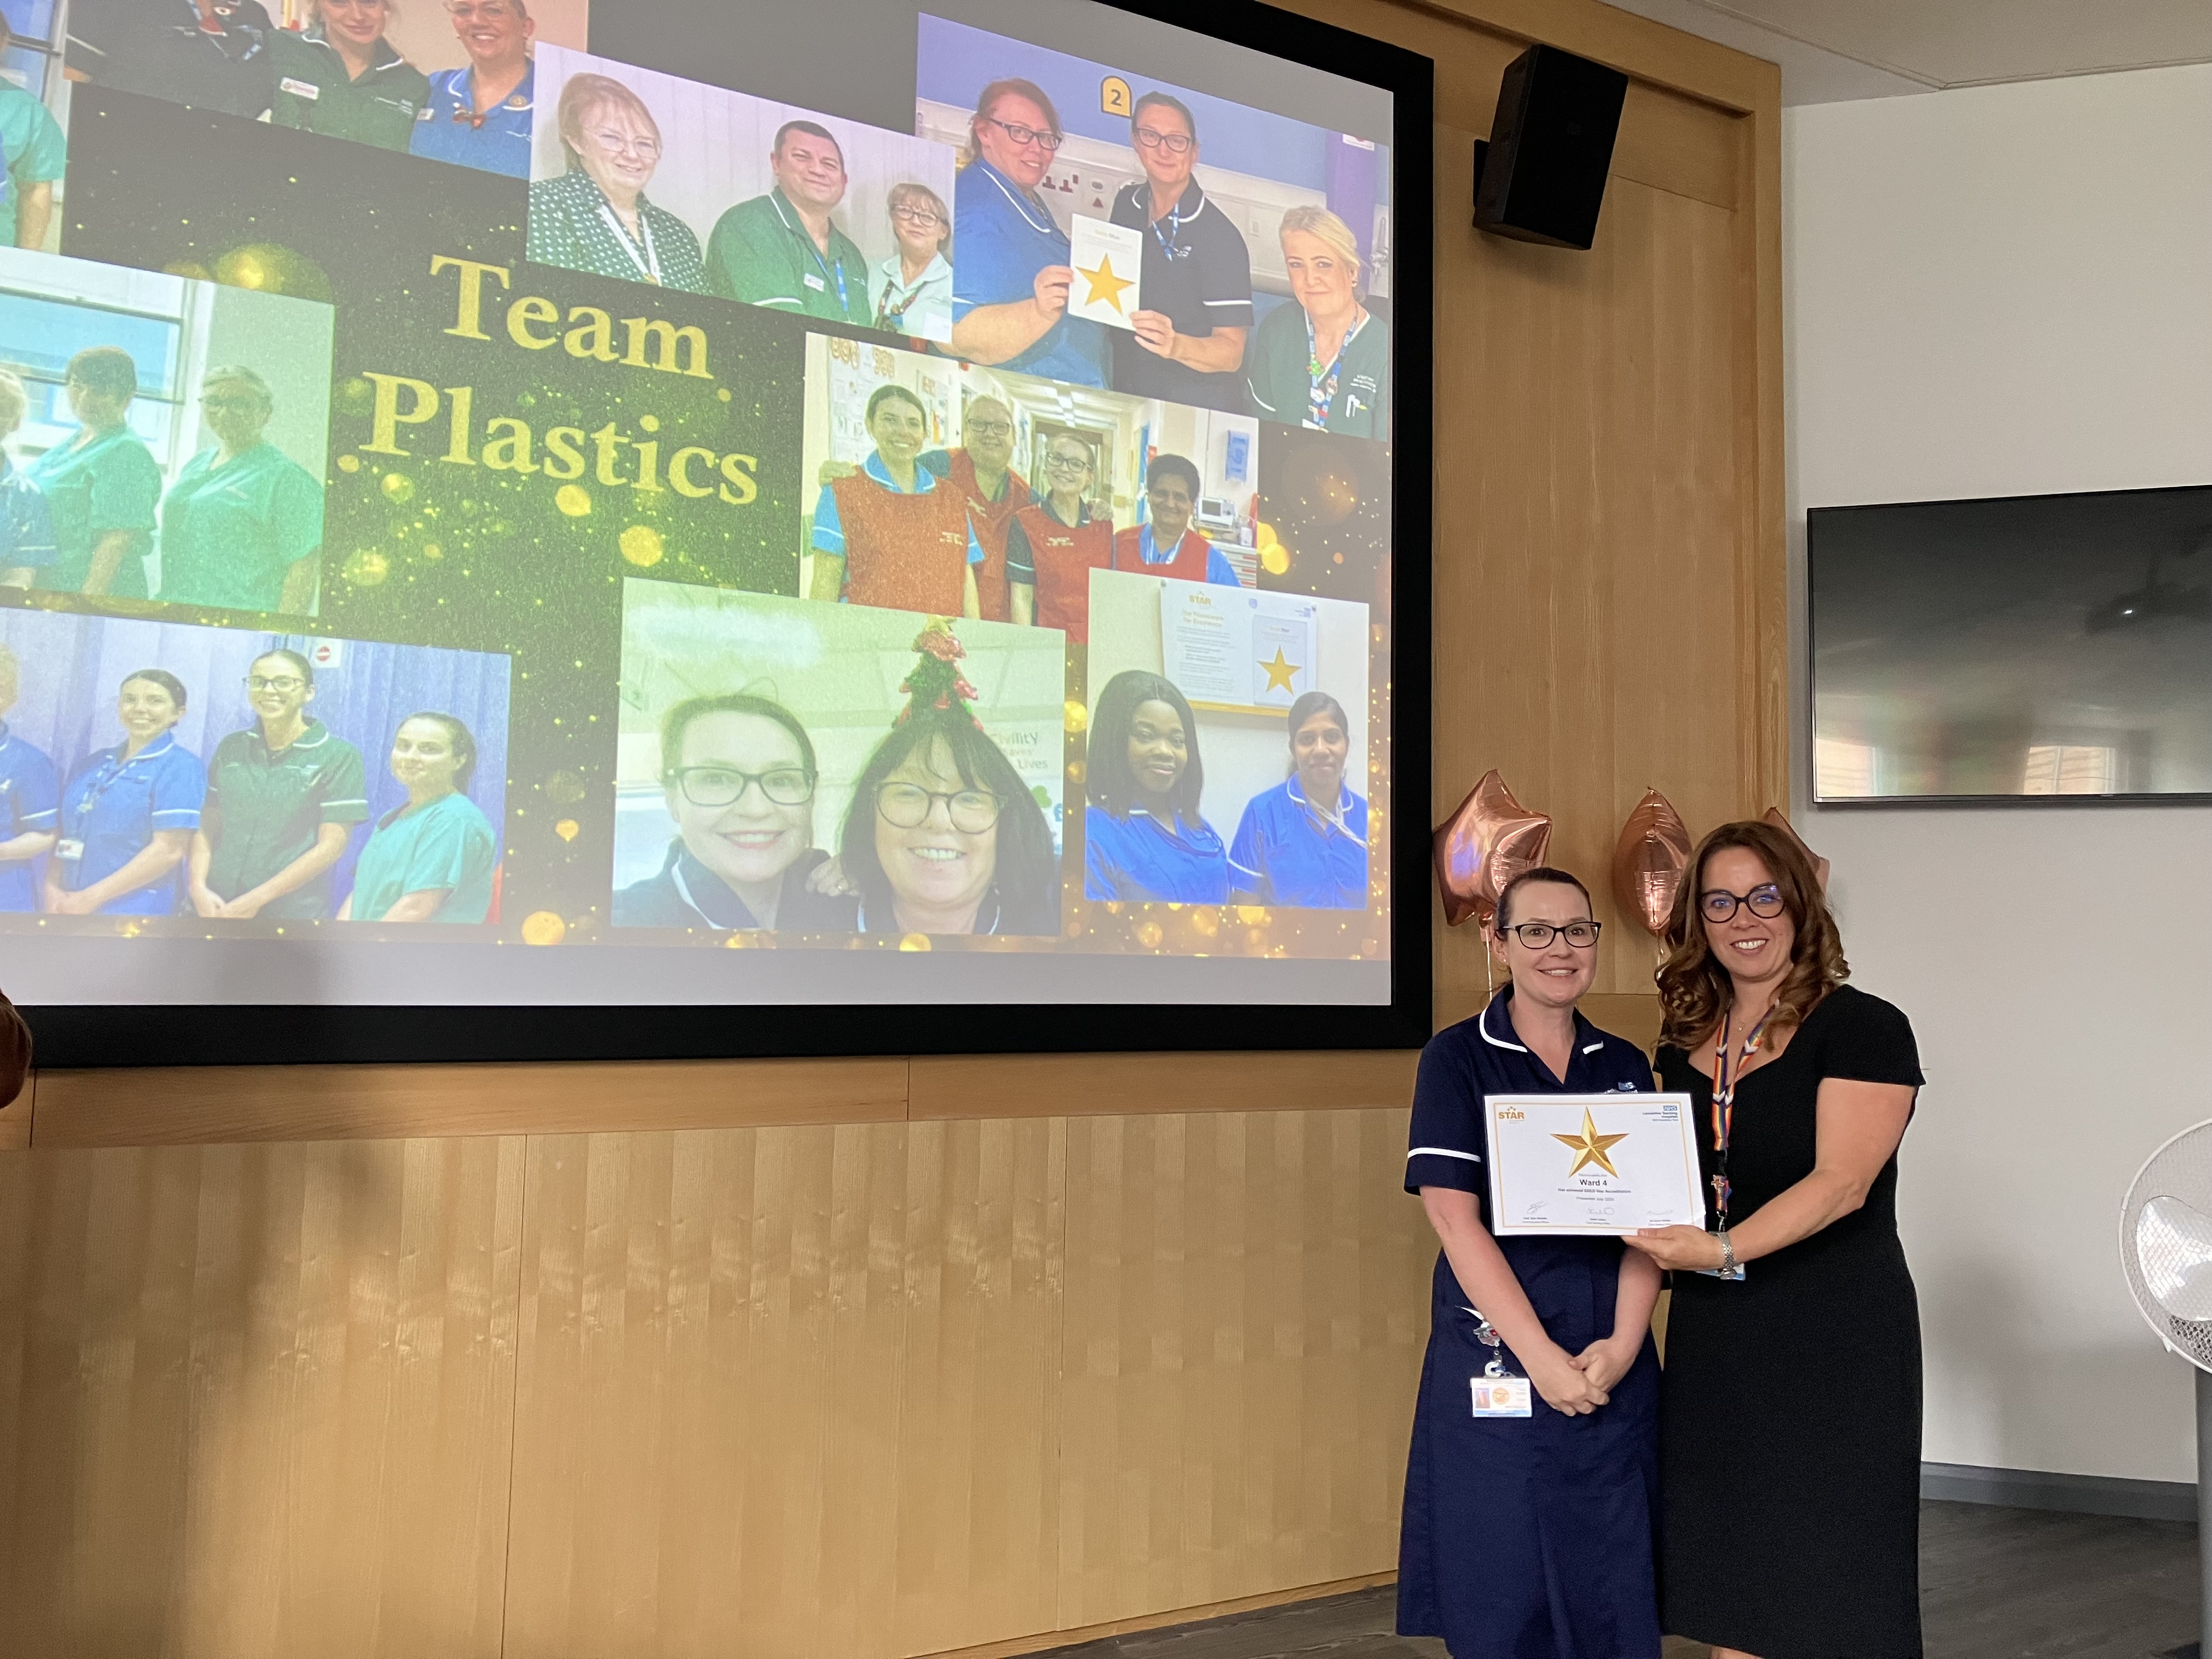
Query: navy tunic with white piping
[{"x": 1525, "y": 1538}]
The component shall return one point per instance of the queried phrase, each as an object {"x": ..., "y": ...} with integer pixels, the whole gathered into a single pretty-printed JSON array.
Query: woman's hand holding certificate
[{"x": 1601, "y": 1164}]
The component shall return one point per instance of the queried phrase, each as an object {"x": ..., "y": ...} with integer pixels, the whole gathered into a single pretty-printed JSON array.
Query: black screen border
[
  {"x": 1815, "y": 517},
  {"x": 105, "y": 1035}
]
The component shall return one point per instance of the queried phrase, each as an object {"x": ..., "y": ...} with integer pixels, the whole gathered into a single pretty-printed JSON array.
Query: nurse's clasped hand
[{"x": 1567, "y": 1388}]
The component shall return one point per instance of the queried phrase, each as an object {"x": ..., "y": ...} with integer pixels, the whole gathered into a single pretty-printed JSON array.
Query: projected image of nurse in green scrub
[
  {"x": 34, "y": 154},
  {"x": 1324, "y": 360},
  {"x": 431, "y": 860},
  {"x": 100, "y": 485},
  {"x": 127, "y": 813},
  {"x": 1144, "y": 837},
  {"x": 27, "y": 529},
  {"x": 242, "y": 527},
  {"x": 595, "y": 217},
  {"x": 282, "y": 797},
  {"x": 783, "y": 250},
  {"x": 1303, "y": 844},
  {"x": 342, "y": 78},
  {"x": 30, "y": 800}
]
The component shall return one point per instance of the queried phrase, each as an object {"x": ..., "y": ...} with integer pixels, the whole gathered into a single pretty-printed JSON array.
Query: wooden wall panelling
[
  {"x": 1244, "y": 1330},
  {"x": 163, "y": 1105},
  {"x": 257, "y": 1399},
  {"x": 15, "y": 1117},
  {"x": 787, "y": 1391}
]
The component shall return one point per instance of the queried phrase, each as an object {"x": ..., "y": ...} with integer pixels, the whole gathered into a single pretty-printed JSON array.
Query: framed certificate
[{"x": 1592, "y": 1163}]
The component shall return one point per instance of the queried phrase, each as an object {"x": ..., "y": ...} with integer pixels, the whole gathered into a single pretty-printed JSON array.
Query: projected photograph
[
  {"x": 453, "y": 82},
  {"x": 1227, "y": 760},
  {"x": 175, "y": 432},
  {"x": 227, "y": 775},
  {"x": 645, "y": 177},
  {"x": 958, "y": 490},
  {"x": 812, "y": 769},
  {"x": 1196, "y": 240}
]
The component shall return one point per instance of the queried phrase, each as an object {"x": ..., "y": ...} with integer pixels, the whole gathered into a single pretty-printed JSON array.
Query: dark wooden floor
[{"x": 1995, "y": 1583}]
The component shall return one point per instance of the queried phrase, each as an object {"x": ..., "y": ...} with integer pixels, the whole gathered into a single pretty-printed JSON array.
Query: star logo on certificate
[
  {"x": 1105, "y": 285},
  {"x": 1279, "y": 671},
  {"x": 1591, "y": 1147}
]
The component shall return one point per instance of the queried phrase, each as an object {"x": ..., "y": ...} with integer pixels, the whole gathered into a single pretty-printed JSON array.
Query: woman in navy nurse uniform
[
  {"x": 1529, "y": 1537},
  {"x": 127, "y": 813}
]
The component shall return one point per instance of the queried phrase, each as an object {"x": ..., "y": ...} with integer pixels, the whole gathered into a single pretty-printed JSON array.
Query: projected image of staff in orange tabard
[
  {"x": 1054, "y": 544},
  {"x": 894, "y": 534},
  {"x": 1168, "y": 546},
  {"x": 980, "y": 471}
]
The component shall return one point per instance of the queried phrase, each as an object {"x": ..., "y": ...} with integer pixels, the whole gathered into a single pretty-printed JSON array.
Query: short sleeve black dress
[{"x": 1789, "y": 1410}]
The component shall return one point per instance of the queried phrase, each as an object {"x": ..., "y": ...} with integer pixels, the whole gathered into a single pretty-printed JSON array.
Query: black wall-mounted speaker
[{"x": 1541, "y": 177}]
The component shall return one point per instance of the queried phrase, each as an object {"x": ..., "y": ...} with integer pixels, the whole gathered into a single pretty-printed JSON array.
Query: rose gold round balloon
[
  {"x": 1775, "y": 817},
  {"x": 1491, "y": 839},
  {"x": 1648, "y": 862}
]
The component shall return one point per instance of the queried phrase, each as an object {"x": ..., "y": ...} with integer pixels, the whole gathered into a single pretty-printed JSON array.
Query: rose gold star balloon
[
  {"x": 1775, "y": 817},
  {"x": 1491, "y": 839},
  {"x": 1649, "y": 860}
]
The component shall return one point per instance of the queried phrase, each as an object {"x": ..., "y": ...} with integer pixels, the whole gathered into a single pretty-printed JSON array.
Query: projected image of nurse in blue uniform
[
  {"x": 1303, "y": 844},
  {"x": 129, "y": 812},
  {"x": 30, "y": 800},
  {"x": 1144, "y": 838}
]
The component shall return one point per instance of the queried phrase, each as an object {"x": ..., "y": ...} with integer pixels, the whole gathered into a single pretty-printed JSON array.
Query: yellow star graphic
[
  {"x": 1590, "y": 1147},
  {"x": 1279, "y": 671},
  {"x": 1104, "y": 284}
]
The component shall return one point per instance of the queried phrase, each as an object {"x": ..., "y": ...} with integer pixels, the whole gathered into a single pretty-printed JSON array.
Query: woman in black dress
[{"x": 1790, "y": 1415}]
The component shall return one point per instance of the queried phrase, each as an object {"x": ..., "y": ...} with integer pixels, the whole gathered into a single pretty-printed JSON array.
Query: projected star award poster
[
  {"x": 1108, "y": 260},
  {"x": 1592, "y": 1163},
  {"x": 617, "y": 549}
]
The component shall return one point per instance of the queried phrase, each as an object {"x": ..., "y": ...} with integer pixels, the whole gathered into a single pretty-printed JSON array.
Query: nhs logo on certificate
[{"x": 1592, "y": 1163}]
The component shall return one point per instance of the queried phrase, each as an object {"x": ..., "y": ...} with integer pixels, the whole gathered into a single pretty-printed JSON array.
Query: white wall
[{"x": 2009, "y": 290}]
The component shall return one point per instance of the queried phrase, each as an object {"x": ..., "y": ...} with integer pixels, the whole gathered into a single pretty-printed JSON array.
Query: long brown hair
[{"x": 1695, "y": 987}]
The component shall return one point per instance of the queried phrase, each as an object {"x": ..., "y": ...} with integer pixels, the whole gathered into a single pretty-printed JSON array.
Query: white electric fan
[{"x": 2165, "y": 1247}]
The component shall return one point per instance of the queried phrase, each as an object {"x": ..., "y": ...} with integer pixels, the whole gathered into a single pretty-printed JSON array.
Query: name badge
[
  {"x": 71, "y": 850},
  {"x": 306, "y": 89},
  {"x": 1501, "y": 1397},
  {"x": 425, "y": 114},
  {"x": 814, "y": 282}
]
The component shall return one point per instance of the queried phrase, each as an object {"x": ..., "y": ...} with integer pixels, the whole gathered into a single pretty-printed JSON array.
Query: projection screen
[{"x": 698, "y": 528}]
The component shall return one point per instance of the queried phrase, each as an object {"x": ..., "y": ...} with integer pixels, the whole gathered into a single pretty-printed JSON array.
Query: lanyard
[
  {"x": 1321, "y": 387},
  {"x": 109, "y": 775},
  {"x": 837, "y": 271},
  {"x": 1171, "y": 244},
  {"x": 648, "y": 262},
  {"x": 1725, "y": 1075}
]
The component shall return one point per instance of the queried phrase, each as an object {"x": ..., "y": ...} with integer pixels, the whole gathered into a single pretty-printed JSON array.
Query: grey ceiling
[{"x": 1831, "y": 50}]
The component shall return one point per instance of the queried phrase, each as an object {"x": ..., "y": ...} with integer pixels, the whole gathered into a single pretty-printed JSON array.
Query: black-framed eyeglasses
[
  {"x": 272, "y": 682},
  {"x": 1766, "y": 903},
  {"x": 1173, "y": 143},
  {"x": 914, "y": 215},
  {"x": 907, "y": 807},
  {"x": 1023, "y": 136},
  {"x": 725, "y": 785},
  {"x": 1538, "y": 935}
]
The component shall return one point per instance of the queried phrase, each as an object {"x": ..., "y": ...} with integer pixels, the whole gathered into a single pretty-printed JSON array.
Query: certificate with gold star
[
  {"x": 1108, "y": 259},
  {"x": 1592, "y": 1163}
]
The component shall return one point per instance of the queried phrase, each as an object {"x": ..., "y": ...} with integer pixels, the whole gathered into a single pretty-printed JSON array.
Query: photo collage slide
[{"x": 457, "y": 485}]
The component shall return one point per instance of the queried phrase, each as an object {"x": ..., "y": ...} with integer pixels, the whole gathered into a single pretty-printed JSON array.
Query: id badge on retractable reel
[{"x": 1498, "y": 1392}]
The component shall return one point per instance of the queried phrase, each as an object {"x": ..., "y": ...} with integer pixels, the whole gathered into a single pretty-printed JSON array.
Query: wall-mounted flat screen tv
[
  {"x": 2030, "y": 648},
  {"x": 663, "y": 528}
]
